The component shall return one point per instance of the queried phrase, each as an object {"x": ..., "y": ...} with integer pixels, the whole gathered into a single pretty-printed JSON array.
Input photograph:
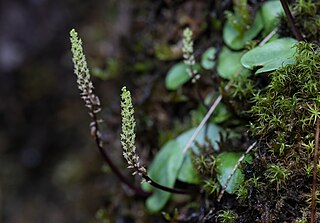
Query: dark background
[{"x": 50, "y": 170}]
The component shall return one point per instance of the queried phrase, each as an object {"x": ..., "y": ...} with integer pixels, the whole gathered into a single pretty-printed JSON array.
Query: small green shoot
[
  {"x": 277, "y": 174},
  {"x": 227, "y": 216}
]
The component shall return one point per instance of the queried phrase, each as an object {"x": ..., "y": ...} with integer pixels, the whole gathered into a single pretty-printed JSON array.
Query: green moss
[
  {"x": 290, "y": 104},
  {"x": 239, "y": 95},
  {"x": 307, "y": 14},
  {"x": 211, "y": 186},
  {"x": 242, "y": 192},
  {"x": 227, "y": 216},
  {"x": 206, "y": 165},
  {"x": 277, "y": 174},
  {"x": 284, "y": 115}
]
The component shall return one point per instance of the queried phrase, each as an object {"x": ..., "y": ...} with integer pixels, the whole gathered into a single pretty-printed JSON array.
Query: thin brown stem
[
  {"x": 169, "y": 189},
  {"x": 314, "y": 180},
  {"x": 96, "y": 134},
  {"x": 137, "y": 190},
  {"x": 291, "y": 20}
]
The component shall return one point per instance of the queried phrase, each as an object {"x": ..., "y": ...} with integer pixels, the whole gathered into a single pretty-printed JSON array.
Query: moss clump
[
  {"x": 284, "y": 115},
  {"x": 239, "y": 94},
  {"x": 227, "y": 216},
  {"x": 289, "y": 106},
  {"x": 206, "y": 167}
]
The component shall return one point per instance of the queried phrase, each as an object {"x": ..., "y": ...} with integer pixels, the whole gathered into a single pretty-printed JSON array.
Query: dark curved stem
[
  {"x": 169, "y": 189},
  {"x": 137, "y": 190},
  {"x": 291, "y": 20},
  {"x": 94, "y": 108},
  {"x": 314, "y": 180}
]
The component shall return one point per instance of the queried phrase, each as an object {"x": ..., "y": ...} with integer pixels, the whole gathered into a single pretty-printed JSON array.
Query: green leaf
[
  {"x": 187, "y": 173},
  {"x": 207, "y": 59},
  {"x": 212, "y": 133},
  {"x": 236, "y": 40},
  {"x": 270, "y": 56},
  {"x": 229, "y": 66},
  {"x": 164, "y": 170},
  {"x": 219, "y": 115},
  {"x": 270, "y": 12},
  {"x": 225, "y": 164},
  {"x": 170, "y": 164},
  {"x": 177, "y": 76}
]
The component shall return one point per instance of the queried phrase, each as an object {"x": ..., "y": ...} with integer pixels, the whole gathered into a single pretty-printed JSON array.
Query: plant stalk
[
  {"x": 96, "y": 134},
  {"x": 169, "y": 189},
  {"x": 291, "y": 20},
  {"x": 314, "y": 180}
]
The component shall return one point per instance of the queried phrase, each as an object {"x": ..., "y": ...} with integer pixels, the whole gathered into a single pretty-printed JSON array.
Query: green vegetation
[
  {"x": 227, "y": 216},
  {"x": 270, "y": 88}
]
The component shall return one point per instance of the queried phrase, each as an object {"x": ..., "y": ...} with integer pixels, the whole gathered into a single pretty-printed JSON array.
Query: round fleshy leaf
[
  {"x": 270, "y": 12},
  {"x": 177, "y": 76},
  {"x": 164, "y": 170},
  {"x": 170, "y": 163},
  {"x": 212, "y": 133},
  {"x": 229, "y": 66},
  {"x": 207, "y": 59},
  {"x": 270, "y": 56},
  {"x": 187, "y": 172},
  {"x": 219, "y": 115}
]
